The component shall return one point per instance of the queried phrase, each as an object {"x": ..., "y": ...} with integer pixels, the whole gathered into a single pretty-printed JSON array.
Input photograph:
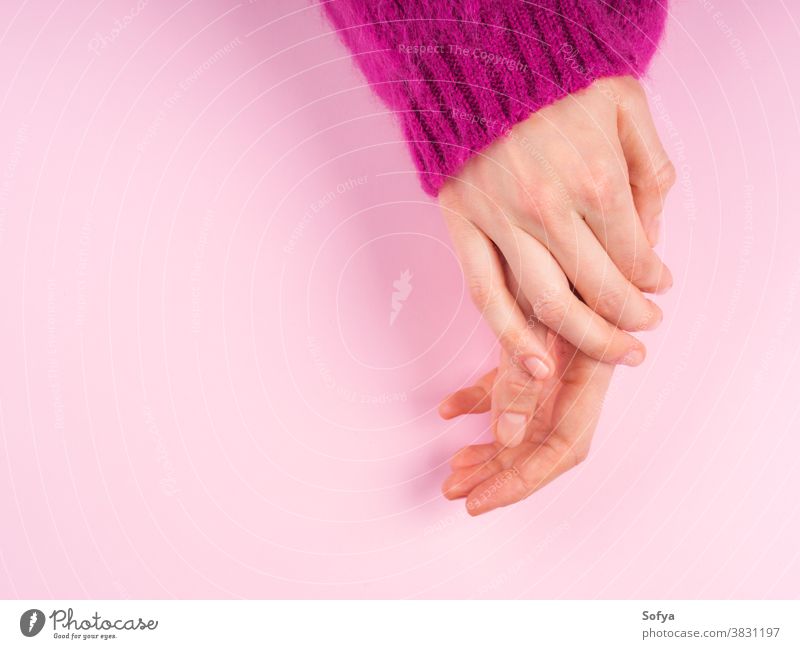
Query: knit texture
[{"x": 460, "y": 73}]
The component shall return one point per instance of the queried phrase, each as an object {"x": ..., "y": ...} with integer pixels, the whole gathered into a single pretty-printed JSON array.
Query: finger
[
  {"x": 600, "y": 283},
  {"x": 463, "y": 481},
  {"x": 484, "y": 275},
  {"x": 577, "y": 407},
  {"x": 509, "y": 485},
  {"x": 575, "y": 418},
  {"x": 650, "y": 171},
  {"x": 472, "y": 400},
  {"x": 514, "y": 398},
  {"x": 554, "y": 305},
  {"x": 607, "y": 204},
  {"x": 472, "y": 455}
]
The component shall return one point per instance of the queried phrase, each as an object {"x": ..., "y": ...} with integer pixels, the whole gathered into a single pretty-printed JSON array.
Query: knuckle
[
  {"x": 480, "y": 294},
  {"x": 509, "y": 476},
  {"x": 666, "y": 176},
  {"x": 580, "y": 454},
  {"x": 511, "y": 342},
  {"x": 494, "y": 466},
  {"x": 610, "y": 302},
  {"x": 528, "y": 484},
  {"x": 570, "y": 452},
  {"x": 550, "y": 308},
  {"x": 661, "y": 178},
  {"x": 629, "y": 263},
  {"x": 601, "y": 184},
  {"x": 541, "y": 197},
  {"x": 645, "y": 282},
  {"x": 639, "y": 265},
  {"x": 608, "y": 343},
  {"x": 646, "y": 274},
  {"x": 518, "y": 385}
]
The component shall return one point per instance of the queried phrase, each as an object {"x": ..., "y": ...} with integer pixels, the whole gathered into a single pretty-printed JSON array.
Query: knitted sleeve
[{"x": 459, "y": 73}]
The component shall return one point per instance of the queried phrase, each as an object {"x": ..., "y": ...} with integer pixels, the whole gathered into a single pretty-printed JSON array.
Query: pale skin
[
  {"x": 554, "y": 225},
  {"x": 556, "y": 439},
  {"x": 564, "y": 411}
]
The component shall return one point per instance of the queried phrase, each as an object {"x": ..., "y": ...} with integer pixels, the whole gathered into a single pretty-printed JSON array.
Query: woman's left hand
[{"x": 555, "y": 436}]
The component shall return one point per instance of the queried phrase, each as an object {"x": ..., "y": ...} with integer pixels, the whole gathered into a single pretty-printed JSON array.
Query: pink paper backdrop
[{"x": 202, "y": 394}]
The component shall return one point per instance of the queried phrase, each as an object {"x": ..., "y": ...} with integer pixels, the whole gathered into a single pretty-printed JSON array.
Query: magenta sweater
[{"x": 460, "y": 73}]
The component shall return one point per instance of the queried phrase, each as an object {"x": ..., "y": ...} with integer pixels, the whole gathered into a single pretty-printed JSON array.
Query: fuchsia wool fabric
[{"x": 459, "y": 73}]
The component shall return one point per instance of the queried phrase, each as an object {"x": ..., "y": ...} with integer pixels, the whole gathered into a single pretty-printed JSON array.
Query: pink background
[{"x": 201, "y": 216}]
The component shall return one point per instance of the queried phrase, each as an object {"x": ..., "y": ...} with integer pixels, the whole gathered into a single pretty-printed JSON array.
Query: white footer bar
[{"x": 400, "y": 624}]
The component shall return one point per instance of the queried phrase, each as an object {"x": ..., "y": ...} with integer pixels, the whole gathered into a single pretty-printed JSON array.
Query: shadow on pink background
[{"x": 203, "y": 211}]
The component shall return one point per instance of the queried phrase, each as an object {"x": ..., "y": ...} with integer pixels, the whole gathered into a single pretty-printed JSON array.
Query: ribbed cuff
[{"x": 459, "y": 75}]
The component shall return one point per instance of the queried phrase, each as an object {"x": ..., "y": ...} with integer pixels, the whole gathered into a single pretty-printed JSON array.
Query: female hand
[
  {"x": 555, "y": 437},
  {"x": 569, "y": 199}
]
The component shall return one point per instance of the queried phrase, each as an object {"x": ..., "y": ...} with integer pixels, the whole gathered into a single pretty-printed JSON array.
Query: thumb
[{"x": 515, "y": 395}]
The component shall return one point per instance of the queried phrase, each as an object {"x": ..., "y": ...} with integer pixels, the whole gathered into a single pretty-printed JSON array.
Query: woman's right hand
[{"x": 570, "y": 200}]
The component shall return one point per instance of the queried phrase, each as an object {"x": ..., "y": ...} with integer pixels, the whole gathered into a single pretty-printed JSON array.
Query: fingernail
[
  {"x": 633, "y": 358},
  {"x": 537, "y": 367},
  {"x": 511, "y": 428}
]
